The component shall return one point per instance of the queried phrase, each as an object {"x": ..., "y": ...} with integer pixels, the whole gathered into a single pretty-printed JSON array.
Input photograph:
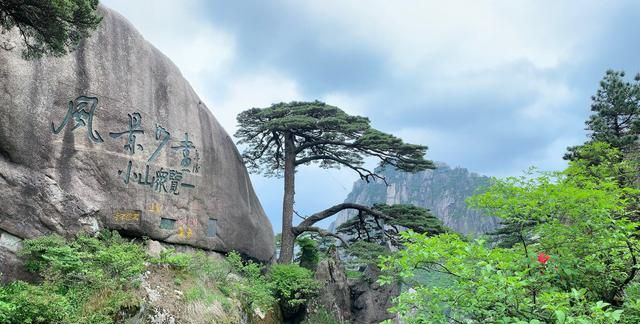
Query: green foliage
[
  {"x": 368, "y": 227},
  {"x": 362, "y": 253},
  {"x": 370, "y": 235},
  {"x": 49, "y": 27},
  {"x": 207, "y": 268},
  {"x": 573, "y": 258},
  {"x": 309, "y": 252},
  {"x": 293, "y": 286},
  {"x": 412, "y": 217},
  {"x": 178, "y": 261},
  {"x": 86, "y": 280},
  {"x": 320, "y": 316},
  {"x": 487, "y": 285},
  {"x": 26, "y": 303},
  {"x": 253, "y": 289},
  {"x": 85, "y": 259},
  {"x": 600, "y": 160},
  {"x": 92, "y": 280}
]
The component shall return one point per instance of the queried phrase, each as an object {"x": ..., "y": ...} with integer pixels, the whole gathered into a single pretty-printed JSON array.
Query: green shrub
[
  {"x": 86, "y": 259},
  {"x": 320, "y": 315},
  {"x": 293, "y": 286},
  {"x": 85, "y": 280},
  {"x": 28, "y": 303},
  {"x": 99, "y": 306},
  {"x": 52, "y": 257},
  {"x": 253, "y": 289},
  {"x": 208, "y": 268},
  {"x": 120, "y": 259},
  {"x": 194, "y": 293},
  {"x": 309, "y": 253},
  {"x": 178, "y": 261}
]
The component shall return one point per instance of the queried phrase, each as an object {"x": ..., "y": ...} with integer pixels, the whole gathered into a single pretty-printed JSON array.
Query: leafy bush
[
  {"x": 207, "y": 269},
  {"x": 86, "y": 259},
  {"x": 26, "y": 303},
  {"x": 178, "y": 261},
  {"x": 320, "y": 315},
  {"x": 309, "y": 253},
  {"x": 84, "y": 281},
  {"x": 574, "y": 261},
  {"x": 293, "y": 286},
  {"x": 253, "y": 289}
]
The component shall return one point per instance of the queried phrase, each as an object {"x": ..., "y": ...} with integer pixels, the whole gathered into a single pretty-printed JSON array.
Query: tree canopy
[
  {"x": 49, "y": 27},
  {"x": 321, "y": 134}
]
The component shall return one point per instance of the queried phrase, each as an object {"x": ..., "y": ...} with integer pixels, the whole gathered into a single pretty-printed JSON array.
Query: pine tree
[
  {"x": 616, "y": 114},
  {"x": 49, "y": 27},
  {"x": 282, "y": 137}
]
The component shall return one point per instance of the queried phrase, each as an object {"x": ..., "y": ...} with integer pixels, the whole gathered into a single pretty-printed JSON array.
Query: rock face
[
  {"x": 443, "y": 191},
  {"x": 112, "y": 136},
  {"x": 370, "y": 300},
  {"x": 334, "y": 295}
]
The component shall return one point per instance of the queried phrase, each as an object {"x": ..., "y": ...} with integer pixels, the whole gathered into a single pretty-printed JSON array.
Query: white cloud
[
  {"x": 464, "y": 36},
  {"x": 351, "y": 104},
  {"x": 257, "y": 90}
]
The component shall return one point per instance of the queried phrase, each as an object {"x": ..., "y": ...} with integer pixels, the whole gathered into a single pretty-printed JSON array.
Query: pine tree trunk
[{"x": 288, "y": 238}]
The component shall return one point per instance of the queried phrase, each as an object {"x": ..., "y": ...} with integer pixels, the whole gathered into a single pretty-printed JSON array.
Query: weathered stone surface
[
  {"x": 12, "y": 265},
  {"x": 334, "y": 295},
  {"x": 370, "y": 300},
  {"x": 69, "y": 163},
  {"x": 154, "y": 248}
]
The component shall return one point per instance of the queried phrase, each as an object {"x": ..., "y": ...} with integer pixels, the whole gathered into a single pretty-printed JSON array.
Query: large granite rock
[{"x": 112, "y": 136}]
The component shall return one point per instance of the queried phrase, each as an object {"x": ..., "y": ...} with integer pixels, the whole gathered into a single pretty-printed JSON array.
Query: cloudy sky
[{"x": 492, "y": 86}]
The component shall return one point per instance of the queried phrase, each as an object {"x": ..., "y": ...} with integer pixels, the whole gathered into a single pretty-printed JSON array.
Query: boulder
[
  {"x": 370, "y": 301},
  {"x": 112, "y": 136},
  {"x": 154, "y": 248}
]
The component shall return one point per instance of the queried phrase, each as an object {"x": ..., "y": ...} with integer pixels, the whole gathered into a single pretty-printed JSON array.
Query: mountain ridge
[{"x": 442, "y": 190}]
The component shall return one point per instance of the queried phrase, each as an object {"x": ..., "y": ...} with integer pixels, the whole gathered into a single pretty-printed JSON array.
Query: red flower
[{"x": 543, "y": 258}]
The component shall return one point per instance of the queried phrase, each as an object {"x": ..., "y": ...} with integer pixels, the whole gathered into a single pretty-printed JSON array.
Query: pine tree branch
[
  {"x": 336, "y": 209},
  {"x": 297, "y": 230}
]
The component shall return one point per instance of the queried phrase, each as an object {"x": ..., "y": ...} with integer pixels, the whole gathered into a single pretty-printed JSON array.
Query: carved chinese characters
[{"x": 80, "y": 114}]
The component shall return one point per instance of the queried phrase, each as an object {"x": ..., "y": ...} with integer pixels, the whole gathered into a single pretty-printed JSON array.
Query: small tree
[
  {"x": 49, "y": 27},
  {"x": 285, "y": 136}
]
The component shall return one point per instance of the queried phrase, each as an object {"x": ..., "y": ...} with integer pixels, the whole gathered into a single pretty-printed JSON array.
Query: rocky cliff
[
  {"x": 442, "y": 190},
  {"x": 112, "y": 136}
]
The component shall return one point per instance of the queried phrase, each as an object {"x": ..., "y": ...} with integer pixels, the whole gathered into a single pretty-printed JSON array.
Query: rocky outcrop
[
  {"x": 443, "y": 191},
  {"x": 112, "y": 136},
  {"x": 370, "y": 301},
  {"x": 334, "y": 295},
  {"x": 359, "y": 301}
]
